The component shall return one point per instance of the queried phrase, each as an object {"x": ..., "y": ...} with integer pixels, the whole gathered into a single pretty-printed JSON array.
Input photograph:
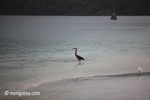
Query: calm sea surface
[{"x": 38, "y": 49}]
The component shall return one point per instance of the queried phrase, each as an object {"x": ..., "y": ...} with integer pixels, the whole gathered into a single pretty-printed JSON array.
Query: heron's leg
[
  {"x": 140, "y": 73},
  {"x": 79, "y": 61}
]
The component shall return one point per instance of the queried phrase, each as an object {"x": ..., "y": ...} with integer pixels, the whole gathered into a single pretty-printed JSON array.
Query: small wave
[
  {"x": 102, "y": 76},
  {"x": 26, "y": 87},
  {"x": 126, "y": 75},
  {"x": 63, "y": 60},
  {"x": 29, "y": 86},
  {"x": 110, "y": 76}
]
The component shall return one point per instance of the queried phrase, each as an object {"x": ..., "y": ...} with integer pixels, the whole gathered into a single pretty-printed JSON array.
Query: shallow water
[{"x": 38, "y": 49}]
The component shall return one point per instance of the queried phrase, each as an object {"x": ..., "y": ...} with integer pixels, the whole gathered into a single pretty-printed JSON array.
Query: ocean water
[{"x": 35, "y": 50}]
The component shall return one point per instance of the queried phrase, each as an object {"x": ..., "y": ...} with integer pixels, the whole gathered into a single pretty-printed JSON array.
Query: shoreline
[{"x": 92, "y": 87}]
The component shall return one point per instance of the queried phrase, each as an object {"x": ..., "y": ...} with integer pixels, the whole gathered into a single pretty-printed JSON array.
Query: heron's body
[{"x": 77, "y": 56}]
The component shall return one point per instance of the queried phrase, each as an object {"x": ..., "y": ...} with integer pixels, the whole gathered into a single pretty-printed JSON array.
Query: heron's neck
[{"x": 76, "y": 52}]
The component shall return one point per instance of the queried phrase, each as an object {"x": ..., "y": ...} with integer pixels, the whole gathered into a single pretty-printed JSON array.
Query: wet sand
[{"x": 112, "y": 87}]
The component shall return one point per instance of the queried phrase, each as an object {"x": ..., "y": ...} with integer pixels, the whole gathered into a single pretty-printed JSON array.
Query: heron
[{"x": 77, "y": 56}]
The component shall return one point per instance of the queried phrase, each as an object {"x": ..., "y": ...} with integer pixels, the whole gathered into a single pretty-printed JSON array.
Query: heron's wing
[{"x": 79, "y": 57}]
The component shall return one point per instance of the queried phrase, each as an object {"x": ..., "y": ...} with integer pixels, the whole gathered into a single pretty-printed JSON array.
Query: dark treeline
[{"x": 74, "y": 7}]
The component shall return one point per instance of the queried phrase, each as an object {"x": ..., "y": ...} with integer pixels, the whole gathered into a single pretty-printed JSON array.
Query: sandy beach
[{"x": 113, "y": 87}]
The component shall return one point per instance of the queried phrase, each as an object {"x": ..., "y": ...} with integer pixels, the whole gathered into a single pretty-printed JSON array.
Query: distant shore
[{"x": 74, "y": 7}]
